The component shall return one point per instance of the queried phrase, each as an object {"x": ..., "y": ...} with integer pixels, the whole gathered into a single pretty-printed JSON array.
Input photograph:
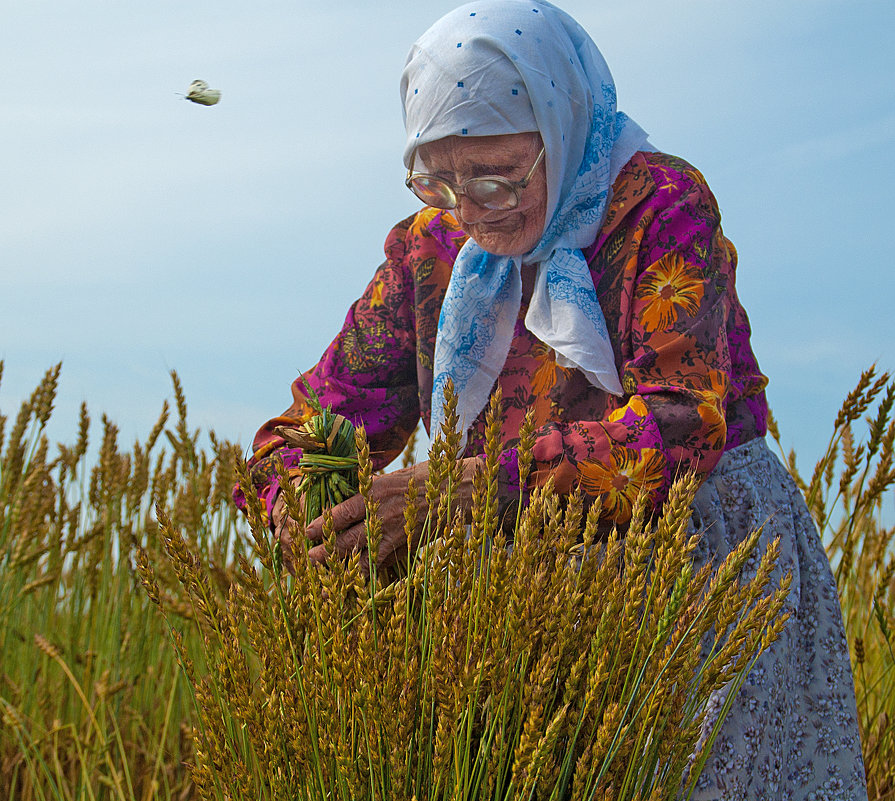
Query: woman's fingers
[
  {"x": 317, "y": 555},
  {"x": 284, "y": 535},
  {"x": 347, "y": 542},
  {"x": 276, "y": 514},
  {"x": 345, "y": 515},
  {"x": 349, "y": 517},
  {"x": 282, "y": 526}
]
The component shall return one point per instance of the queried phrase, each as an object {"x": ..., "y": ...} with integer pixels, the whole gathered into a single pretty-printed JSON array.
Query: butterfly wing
[{"x": 200, "y": 93}]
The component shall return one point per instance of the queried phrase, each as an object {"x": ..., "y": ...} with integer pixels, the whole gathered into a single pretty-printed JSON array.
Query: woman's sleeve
[
  {"x": 677, "y": 375},
  {"x": 368, "y": 374}
]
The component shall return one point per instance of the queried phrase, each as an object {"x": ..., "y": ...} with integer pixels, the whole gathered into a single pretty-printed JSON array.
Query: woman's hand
[
  {"x": 282, "y": 525},
  {"x": 389, "y": 490}
]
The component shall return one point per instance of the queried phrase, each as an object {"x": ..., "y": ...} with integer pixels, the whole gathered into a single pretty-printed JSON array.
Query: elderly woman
[{"x": 561, "y": 258}]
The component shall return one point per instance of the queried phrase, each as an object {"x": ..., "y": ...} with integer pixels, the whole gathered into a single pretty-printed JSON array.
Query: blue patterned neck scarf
[{"x": 510, "y": 66}]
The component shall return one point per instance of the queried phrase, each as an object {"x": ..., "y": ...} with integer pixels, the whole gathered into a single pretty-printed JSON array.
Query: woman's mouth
[{"x": 501, "y": 225}]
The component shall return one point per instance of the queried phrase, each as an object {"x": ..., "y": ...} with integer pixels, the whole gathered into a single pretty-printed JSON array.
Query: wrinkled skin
[
  {"x": 348, "y": 517},
  {"x": 504, "y": 233}
]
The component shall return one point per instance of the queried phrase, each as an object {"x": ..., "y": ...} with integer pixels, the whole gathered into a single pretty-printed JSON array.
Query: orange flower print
[
  {"x": 695, "y": 175},
  {"x": 671, "y": 285},
  {"x": 628, "y": 474},
  {"x": 711, "y": 407},
  {"x": 635, "y": 405},
  {"x": 544, "y": 378},
  {"x": 376, "y": 296},
  {"x": 422, "y": 220}
]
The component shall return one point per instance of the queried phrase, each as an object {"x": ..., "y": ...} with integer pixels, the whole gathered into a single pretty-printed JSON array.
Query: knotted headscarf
[{"x": 499, "y": 67}]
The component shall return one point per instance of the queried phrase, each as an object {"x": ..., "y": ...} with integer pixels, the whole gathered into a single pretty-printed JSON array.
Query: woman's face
[{"x": 457, "y": 159}]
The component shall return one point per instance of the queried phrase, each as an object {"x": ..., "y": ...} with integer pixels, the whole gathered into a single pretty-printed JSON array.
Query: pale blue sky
[{"x": 140, "y": 232}]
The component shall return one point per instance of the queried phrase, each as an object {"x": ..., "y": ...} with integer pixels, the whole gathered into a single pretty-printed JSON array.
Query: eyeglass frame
[{"x": 516, "y": 187}]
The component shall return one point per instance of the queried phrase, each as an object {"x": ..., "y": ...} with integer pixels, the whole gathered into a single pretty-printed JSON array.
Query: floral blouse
[{"x": 664, "y": 275}]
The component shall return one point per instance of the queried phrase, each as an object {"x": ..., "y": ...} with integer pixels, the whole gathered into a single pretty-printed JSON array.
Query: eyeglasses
[{"x": 489, "y": 191}]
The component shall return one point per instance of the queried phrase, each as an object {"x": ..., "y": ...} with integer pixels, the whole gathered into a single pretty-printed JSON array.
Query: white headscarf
[{"x": 499, "y": 67}]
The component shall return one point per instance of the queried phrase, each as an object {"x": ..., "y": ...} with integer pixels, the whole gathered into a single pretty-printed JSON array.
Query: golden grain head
[{"x": 46, "y": 646}]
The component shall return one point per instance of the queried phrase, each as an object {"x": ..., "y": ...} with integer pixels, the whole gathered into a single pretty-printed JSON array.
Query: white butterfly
[{"x": 200, "y": 93}]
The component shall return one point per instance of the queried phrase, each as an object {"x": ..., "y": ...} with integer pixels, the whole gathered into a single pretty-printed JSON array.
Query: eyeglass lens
[{"x": 489, "y": 193}]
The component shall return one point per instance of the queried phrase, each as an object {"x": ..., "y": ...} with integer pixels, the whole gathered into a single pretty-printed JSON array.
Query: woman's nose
[{"x": 471, "y": 212}]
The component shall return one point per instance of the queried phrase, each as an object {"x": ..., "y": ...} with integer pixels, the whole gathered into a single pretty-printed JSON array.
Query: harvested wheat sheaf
[{"x": 456, "y": 680}]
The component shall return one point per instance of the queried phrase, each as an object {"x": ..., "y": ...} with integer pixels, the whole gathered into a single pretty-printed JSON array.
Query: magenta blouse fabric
[{"x": 665, "y": 279}]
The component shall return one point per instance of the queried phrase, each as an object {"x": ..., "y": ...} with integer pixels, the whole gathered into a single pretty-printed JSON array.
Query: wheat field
[{"x": 153, "y": 646}]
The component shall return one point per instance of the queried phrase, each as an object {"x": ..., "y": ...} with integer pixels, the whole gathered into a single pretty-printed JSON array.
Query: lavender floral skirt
[{"x": 792, "y": 731}]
